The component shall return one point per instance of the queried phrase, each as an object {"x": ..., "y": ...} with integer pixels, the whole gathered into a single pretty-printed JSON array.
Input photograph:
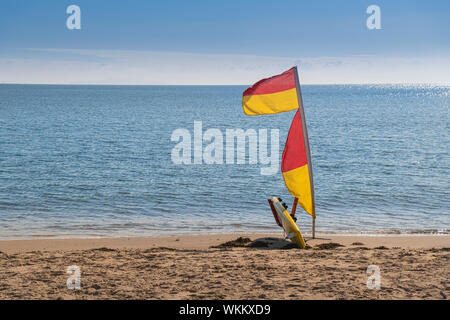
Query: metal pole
[
  {"x": 313, "y": 227},
  {"x": 307, "y": 149},
  {"x": 294, "y": 207}
]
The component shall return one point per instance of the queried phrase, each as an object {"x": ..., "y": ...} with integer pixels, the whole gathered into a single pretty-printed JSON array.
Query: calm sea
[{"x": 96, "y": 161}]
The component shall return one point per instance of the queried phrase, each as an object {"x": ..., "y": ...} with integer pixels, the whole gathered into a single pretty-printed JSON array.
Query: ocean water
[{"x": 92, "y": 161}]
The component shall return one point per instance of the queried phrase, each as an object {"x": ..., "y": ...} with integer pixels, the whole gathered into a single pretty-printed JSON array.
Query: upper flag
[
  {"x": 295, "y": 166},
  {"x": 272, "y": 95}
]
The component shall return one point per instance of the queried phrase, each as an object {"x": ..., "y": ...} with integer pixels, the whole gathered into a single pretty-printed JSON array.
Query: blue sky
[{"x": 239, "y": 40}]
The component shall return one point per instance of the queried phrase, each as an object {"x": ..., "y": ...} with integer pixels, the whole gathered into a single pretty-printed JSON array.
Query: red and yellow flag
[
  {"x": 271, "y": 95},
  {"x": 294, "y": 166},
  {"x": 279, "y": 94}
]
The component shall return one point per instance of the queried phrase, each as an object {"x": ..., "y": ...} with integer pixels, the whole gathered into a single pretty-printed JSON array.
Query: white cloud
[{"x": 67, "y": 66}]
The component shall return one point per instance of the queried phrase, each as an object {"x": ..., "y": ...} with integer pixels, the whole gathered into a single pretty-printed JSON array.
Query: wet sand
[{"x": 197, "y": 267}]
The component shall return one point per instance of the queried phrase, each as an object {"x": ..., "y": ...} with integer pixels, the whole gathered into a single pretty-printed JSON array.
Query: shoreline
[
  {"x": 306, "y": 234},
  {"x": 205, "y": 241}
]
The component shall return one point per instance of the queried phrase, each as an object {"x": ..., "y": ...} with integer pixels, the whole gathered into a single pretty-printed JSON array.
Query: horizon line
[{"x": 226, "y": 85}]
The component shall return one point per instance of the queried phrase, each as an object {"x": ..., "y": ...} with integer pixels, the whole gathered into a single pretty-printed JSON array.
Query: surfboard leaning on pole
[{"x": 285, "y": 220}]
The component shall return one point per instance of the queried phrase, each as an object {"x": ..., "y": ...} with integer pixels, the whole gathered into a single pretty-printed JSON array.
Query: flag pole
[
  {"x": 308, "y": 151},
  {"x": 294, "y": 206},
  {"x": 313, "y": 227}
]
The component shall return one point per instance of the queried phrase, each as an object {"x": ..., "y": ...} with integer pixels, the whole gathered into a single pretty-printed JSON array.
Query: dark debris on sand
[
  {"x": 360, "y": 248},
  {"x": 258, "y": 244},
  {"x": 239, "y": 242},
  {"x": 439, "y": 249},
  {"x": 328, "y": 246},
  {"x": 104, "y": 249},
  {"x": 266, "y": 243}
]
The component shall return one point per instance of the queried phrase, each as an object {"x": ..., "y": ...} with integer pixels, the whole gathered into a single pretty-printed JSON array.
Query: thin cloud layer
[{"x": 68, "y": 66}]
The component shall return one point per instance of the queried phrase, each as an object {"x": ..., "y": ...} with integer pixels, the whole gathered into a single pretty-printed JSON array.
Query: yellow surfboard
[{"x": 287, "y": 223}]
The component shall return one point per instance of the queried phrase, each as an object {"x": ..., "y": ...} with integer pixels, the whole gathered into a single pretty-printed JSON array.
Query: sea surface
[{"x": 94, "y": 161}]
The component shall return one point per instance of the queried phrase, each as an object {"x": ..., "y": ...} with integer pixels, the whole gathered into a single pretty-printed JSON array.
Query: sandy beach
[{"x": 259, "y": 266}]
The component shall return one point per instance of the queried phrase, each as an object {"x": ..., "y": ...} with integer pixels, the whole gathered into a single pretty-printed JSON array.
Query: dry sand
[{"x": 188, "y": 267}]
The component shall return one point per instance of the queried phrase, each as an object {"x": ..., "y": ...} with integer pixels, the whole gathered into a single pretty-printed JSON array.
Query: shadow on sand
[
  {"x": 260, "y": 243},
  {"x": 272, "y": 243}
]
